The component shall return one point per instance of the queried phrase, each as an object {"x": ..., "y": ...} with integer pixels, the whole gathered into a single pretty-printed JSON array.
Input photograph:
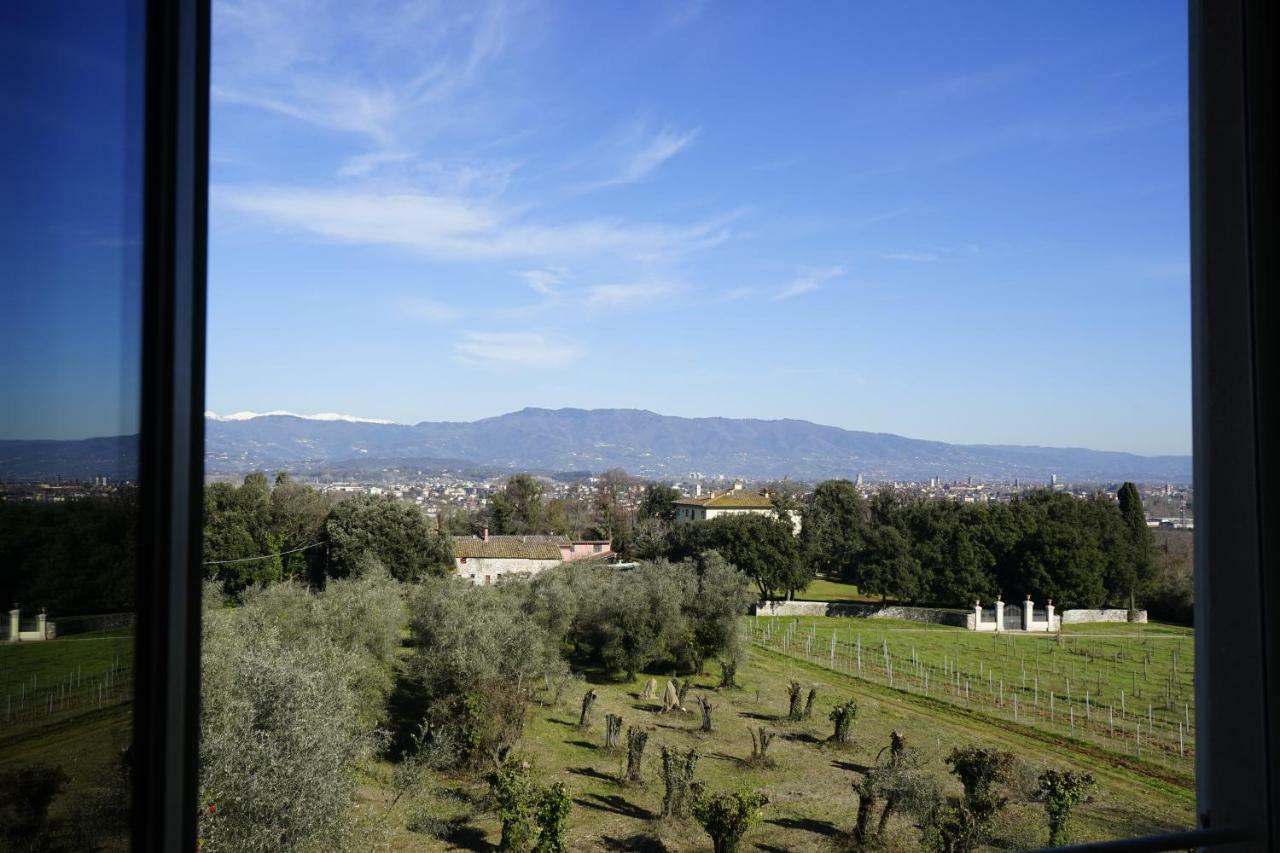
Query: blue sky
[
  {"x": 70, "y": 218},
  {"x": 964, "y": 222}
]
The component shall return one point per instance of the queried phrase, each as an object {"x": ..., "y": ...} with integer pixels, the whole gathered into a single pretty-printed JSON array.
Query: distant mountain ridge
[
  {"x": 650, "y": 444},
  {"x": 639, "y": 441}
]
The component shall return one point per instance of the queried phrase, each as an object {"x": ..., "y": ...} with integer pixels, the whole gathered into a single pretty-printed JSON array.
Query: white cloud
[
  {"x": 611, "y": 295},
  {"x": 807, "y": 282},
  {"x": 543, "y": 281},
  {"x": 452, "y": 227},
  {"x": 519, "y": 349},
  {"x": 636, "y": 153},
  {"x": 294, "y": 58},
  {"x": 428, "y": 309},
  {"x": 667, "y": 144},
  {"x": 911, "y": 257}
]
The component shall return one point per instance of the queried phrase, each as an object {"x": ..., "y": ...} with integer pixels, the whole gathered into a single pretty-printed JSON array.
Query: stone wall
[
  {"x": 489, "y": 570},
  {"x": 1078, "y": 617},
  {"x": 934, "y": 616}
]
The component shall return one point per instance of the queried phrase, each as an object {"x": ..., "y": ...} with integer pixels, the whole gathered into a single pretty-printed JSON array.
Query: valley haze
[{"x": 556, "y": 440}]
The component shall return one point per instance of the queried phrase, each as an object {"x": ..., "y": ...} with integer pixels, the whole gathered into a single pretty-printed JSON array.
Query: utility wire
[{"x": 263, "y": 557}]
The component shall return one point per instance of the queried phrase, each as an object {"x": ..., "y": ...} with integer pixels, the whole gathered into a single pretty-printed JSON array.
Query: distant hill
[
  {"x": 638, "y": 441},
  {"x": 645, "y": 443}
]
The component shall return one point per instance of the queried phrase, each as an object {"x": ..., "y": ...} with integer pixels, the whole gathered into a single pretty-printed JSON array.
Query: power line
[{"x": 263, "y": 557}]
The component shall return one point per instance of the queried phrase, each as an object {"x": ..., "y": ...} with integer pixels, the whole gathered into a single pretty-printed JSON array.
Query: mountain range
[{"x": 557, "y": 440}]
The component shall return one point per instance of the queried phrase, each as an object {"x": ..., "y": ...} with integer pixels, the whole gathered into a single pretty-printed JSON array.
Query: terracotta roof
[
  {"x": 508, "y": 547},
  {"x": 738, "y": 499}
]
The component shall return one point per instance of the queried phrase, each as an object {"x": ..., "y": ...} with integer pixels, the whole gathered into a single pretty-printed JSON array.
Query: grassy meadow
[{"x": 812, "y": 805}]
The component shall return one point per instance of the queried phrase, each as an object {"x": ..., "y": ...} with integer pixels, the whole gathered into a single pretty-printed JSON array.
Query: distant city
[{"x": 1168, "y": 505}]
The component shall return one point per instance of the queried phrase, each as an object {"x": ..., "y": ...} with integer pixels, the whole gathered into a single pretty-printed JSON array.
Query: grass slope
[{"x": 811, "y": 802}]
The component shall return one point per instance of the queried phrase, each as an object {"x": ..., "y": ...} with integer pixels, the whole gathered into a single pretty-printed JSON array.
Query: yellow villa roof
[{"x": 738, "y": 499}]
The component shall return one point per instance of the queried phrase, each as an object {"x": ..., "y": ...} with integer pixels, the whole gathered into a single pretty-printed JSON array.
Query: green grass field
[
  {"x": 811, "y": 802},
  {"x": 820, "y": 589},
  {"x": 1125, "y": 689}
]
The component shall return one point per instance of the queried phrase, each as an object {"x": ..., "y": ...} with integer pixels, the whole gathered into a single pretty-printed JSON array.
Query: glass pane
[
  {"x": 786, "y": 399},
  {"x": 70, "y": 311}
]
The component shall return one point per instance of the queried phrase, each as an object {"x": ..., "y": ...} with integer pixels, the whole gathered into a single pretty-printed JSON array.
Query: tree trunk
[
  {"x": 728, "y": 673},
  {"x": 866, "y": 803},
  {"x": 636, "y": 740},
  {"x": 808, "y": 705},
  {"x": 612, "y": 729},
  {"x": 793, "y": 703},
  {"x": 706, "y": 708},
  {"x": 884, "y": 815},
  {"x": 588, "y": 700}
]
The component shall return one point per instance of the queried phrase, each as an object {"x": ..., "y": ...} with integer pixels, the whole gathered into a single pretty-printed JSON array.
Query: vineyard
[{"x": 1127, "y": 689}]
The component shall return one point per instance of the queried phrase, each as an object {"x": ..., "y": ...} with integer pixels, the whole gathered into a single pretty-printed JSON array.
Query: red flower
[{"x": 212, "y": 809}]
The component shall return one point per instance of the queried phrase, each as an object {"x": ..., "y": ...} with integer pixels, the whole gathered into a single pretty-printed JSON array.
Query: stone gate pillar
[
  {"x": 1048, "y": 609},
  {"x": 977, "y": 615},
  {"x": 15, "y": 621},
  {"x": 1028, "y": 611},
  {"x": 999, "y": 613},
  {"x": 40, "y": 624}
]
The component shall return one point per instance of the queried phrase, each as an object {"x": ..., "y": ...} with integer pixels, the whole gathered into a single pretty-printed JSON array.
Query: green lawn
[
  {"x": 820, "y": 589},
  {"x": 811, "y": 801},
  {"x": 1126, "y": 689},
  {"x": 67, "y": 703}
]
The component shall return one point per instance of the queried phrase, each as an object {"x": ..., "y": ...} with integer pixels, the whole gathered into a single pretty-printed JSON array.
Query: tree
[
  {"x": 297, "y": 515},
  {"x": 759, "y": 546},
  {"x": 715, "y": 612},
  {"x": 658, "y": 502},
  {"x": 886, "y": 566},
  {"x": 518, "y": 508},
  {"x": 1135, "y": 522},
  {"x": 391, "y": 530},
  {"x": 832, "y": 528}
]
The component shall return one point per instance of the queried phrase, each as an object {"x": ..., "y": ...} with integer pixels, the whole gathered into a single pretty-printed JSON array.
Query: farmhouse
[
  {"x": 736, "y": 501},
  {"x": 486, "y": 559}
]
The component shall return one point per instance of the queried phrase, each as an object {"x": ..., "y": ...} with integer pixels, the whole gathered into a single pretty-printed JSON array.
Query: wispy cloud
[
  {"x": 612, "y": 295},
  {"x": 543, "y": 281},
  {"x": 428, "y": 309},
  {"x": 807, "y": 282},
  {"x": 513, "y": 349},
  {"x": 451, "y": 227},
  {"x": 293, "y": 58},
  {"x": 911, "y": 257},
  {"x": 667, "y": 144},
  {"x": 636, "y": 153}
]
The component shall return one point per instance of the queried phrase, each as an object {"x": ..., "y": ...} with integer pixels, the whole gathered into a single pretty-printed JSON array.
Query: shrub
[
  {"x": 553, "y": 819},
  {"x": 677, "y": 775},
  {"x": 25, "y": 797},
  {"x": 980, "y": 770},
  {"x": 842, "y": 716},
  {"x": 727, "y": 817},
  {"x": 479, "y": 656},
  {"x": 1062, "y": 791},
  {"x": 279, "y": 732}
]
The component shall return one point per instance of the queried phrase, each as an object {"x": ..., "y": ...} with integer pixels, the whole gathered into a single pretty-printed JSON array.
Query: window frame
[{"x": 165, "y": 754}]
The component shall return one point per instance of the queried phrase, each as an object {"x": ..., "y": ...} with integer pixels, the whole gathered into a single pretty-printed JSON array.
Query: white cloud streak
[
  {"x": 614, "y": 295},
  {"x": 457, "y": 228},
  {"x": 807, "y": 282},
  {"x": 514, "y": 349}
]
